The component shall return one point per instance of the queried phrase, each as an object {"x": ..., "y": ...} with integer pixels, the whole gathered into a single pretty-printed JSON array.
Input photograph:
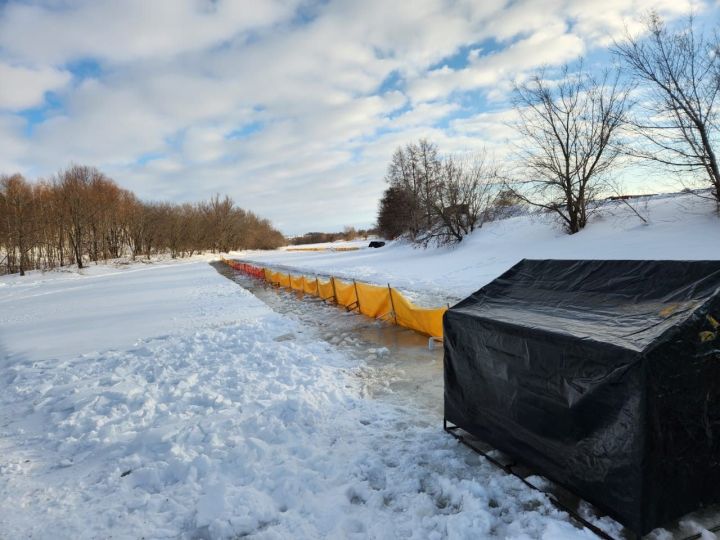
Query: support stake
[
  {"x": 392, "y": 303},
  {"x": 357, "y": 297}
]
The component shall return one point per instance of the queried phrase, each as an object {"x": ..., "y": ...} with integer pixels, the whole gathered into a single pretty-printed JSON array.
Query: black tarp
[{"x": 603, "y": 376}]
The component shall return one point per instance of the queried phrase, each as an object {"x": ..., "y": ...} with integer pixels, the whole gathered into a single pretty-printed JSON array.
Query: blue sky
[{"x": 291, "y": 107}]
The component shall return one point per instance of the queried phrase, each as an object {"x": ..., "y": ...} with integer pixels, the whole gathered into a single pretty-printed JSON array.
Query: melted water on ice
[{"x": 397, "y": 362}]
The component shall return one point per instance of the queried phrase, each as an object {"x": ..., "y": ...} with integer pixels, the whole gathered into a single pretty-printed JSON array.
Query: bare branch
[
  {"x": 680, "y": 73},
  {"x": 570, "y": 129}
]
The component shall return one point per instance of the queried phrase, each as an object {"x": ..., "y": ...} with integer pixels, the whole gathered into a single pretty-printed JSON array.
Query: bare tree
[
  {"x": 73, "y": 186},
  {"x": 569, "y": 130},
  {"x": 17, "y": 209},
  {"x": 461, "y": 199},
  {"x": 350, "y": 232},
  {"x": 83, "y": 215},
  {"x": 395, "y": 212},
  {"x": 681, "y": 73},
  {"x": 415, "y": 169},
  {"x": 435, "y": 199}
]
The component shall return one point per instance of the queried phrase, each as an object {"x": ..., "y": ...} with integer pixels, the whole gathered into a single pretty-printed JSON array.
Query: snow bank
[
  {"x": 217, "y": 418},
  {"x": 358, "y": 243},
  {"x": 680, "y": 227}
]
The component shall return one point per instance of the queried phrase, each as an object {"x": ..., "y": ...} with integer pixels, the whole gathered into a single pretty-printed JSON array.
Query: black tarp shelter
[{"x": 603, "y": 376}]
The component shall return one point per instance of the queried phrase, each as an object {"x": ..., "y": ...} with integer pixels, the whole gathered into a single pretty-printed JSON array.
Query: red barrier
[{"x": 249, "y": 269}]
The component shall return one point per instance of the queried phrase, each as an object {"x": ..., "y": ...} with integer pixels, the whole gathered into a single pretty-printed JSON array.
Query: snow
[
  {"x": 164, "y": 401},
  {"x": 342, "y": 244},
  {"x": 62, "y": 314},
  {"x": 680, "y": 227}
]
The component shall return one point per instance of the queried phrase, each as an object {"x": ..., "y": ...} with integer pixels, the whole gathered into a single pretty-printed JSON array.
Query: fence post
[
  {"x": 332, "y": 280},
  {"x": 357, "y": 296},
  {"x": 392, "y": 303}
]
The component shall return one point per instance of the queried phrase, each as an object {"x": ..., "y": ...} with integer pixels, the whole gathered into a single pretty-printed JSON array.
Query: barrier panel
[
  {"x": 310, "y": 286},
  {"x": 284, "y": 280},
  {"x": 345, "y": 293},
  {"x": 297, "y": 283},
  {"x": 326, "y": 290},
  {"x": 425, "y": 320},
  {"x": 372, "y": 300}
]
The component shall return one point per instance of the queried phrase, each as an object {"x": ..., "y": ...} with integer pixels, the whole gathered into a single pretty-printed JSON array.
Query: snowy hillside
[{"x": 680, "y": 227}]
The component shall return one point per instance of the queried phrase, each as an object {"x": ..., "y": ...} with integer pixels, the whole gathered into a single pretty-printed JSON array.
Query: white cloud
[
  {"x": 23, "y": 87},
  {"x": 177, "y": 77},
  {"x": 548, "y": 46},
  {"x": 13, "y": 145},
  {"x": 130, "y": 30}
]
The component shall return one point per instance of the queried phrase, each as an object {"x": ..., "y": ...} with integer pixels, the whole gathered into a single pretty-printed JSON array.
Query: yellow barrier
[
  {"x": 310, "y": 286},
  {"x": 297, "y": 283},
  {"x": 425, "y": 320},
  {"x": 326, "y": 290},
  {"x": 374, "y": 301},
  {"x": 371, "y": 300},
  {"x": 345, "y": 293}
]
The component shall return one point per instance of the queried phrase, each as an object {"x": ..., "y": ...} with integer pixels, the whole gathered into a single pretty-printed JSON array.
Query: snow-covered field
[
  {"x": 679, "y": 227},
  {"x": 164, "y": 401}
]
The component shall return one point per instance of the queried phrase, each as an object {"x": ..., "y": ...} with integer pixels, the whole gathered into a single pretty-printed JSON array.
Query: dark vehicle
[
  {"x": 603, "y": 376},
  {"x": 376, "y": 244}
]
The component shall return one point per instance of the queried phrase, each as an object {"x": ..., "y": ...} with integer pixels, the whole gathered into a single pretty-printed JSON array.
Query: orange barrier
[
  {"x": 372, "y": 300},
  {"x": 249, "y": 269}
]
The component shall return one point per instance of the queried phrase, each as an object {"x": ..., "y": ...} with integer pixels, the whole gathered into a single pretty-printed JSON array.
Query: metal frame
[{"x": 451, "y": 429}]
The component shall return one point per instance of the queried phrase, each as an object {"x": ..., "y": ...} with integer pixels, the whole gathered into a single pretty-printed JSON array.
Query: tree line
[
  {"x": 348, "y": 233},
  {"x": 658, "y": 106},
  {"x": 81, "y": 216}
]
